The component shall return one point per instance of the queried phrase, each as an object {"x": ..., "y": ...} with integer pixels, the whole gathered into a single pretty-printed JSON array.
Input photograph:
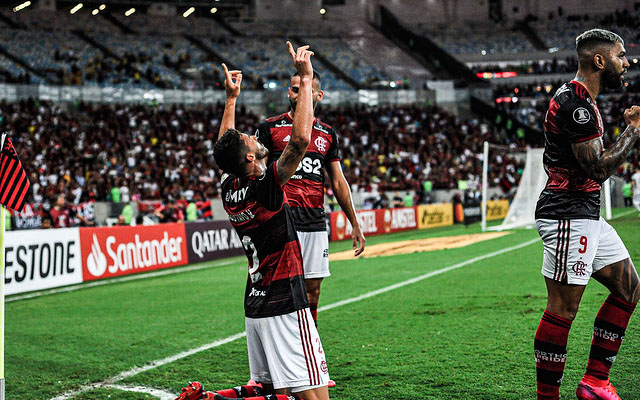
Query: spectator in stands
[{"x": 127, "y": 214}]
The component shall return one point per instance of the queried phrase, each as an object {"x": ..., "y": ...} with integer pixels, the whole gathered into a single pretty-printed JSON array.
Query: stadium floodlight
[
  {"x": 323, "y": 11},
  {"x": 21, "y": 6},
  {"x": 76, "y": 8},
  {"x": 95, "y": 12},
  {"x": 129, "y": 12},
  {"x": 214, "y": 10},
  {"x": 102, "y": 7},
  {"x": 188, "y": 12}
]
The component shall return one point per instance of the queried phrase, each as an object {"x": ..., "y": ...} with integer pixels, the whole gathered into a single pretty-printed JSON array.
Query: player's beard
[
  {"x": 293, "y": 104},
  {"x": 611, "y": 79},
  {"x": 262, "y": 152}
]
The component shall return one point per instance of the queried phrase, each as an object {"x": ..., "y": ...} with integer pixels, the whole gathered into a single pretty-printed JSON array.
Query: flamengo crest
[{"x": 321, "y": 143}]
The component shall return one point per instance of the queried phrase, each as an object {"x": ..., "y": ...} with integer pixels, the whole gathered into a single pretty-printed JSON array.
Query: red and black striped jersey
[
  {"x": 258, "y": 210},
  {"x": 572, "y": 117},
  {"x": 305, "y": 189}
]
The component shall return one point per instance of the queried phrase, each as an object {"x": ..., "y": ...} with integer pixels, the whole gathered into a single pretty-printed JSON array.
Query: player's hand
[
  {"x": 232, "y": 81},
  {"x": 358, "y": 241},
  {"x": 632, "y": 116},
  {"x": 302, "y": 60}
]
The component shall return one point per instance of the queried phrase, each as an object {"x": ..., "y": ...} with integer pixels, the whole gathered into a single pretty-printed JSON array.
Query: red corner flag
[{"x": 14, "y": 183}]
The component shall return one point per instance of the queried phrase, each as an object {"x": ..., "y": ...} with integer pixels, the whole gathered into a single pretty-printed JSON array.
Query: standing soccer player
[
  {"x": 578, "y": 243},
  {"x": 285, "y": 351},
  {"x": 305, "y": 189}
]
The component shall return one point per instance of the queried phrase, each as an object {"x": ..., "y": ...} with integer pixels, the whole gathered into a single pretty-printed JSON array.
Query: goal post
[{"x": 521, "y": 212}]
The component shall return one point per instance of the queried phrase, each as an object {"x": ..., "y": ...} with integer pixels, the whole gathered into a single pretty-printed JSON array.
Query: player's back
[
  {"x": 258, "y": 211},
  {"x": 305, "y": 189},
  {"x": 572, "y": 117}
]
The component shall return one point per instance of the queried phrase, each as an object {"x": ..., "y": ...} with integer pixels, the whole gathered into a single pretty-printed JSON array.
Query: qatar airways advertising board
[{"x": 125, "y": 250}]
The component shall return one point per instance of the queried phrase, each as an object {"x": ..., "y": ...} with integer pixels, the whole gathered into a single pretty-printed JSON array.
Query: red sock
[
  {"x": 313, "y": 307},
  {"x": 608, "y": 332},
  {"x": 240, "y": 392},
  {"x": 550, "y": 348},
  {"x": 266, "y": 397}
]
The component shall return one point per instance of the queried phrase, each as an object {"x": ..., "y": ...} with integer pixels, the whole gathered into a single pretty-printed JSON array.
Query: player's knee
[{"x": 567, "y": 311}]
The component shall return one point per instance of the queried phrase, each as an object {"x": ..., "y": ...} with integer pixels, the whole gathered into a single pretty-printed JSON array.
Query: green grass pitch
[{"x": 464, "y": 334}]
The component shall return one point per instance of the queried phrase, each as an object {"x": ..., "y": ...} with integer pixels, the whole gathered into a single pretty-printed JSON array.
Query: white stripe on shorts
[{"x": 305, "y": 336}]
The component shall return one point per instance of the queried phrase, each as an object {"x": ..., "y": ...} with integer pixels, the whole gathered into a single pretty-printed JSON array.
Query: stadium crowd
[
  {"x": 125, "y": 153},
  {"x": 535, "y": 67}
]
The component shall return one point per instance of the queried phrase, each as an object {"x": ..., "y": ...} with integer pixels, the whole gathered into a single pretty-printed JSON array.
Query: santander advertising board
[{"x": 117, "y": 251}]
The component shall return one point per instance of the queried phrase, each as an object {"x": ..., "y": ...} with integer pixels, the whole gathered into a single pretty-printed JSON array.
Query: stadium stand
[
  {"x": 160, "y": 152},
  {"x": 478, "y": 38}
]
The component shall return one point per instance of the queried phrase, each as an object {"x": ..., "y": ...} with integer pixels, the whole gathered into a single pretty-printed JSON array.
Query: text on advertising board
[
  {"x": 39, "y": 259},
  {"x": 435, "y": 215},
  {"x": 108, "y": 252},
  {"x": 212, "y": 240}
]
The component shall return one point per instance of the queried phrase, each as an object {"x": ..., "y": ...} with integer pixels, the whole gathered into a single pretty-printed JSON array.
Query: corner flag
[{"x": 14, "y": 183}]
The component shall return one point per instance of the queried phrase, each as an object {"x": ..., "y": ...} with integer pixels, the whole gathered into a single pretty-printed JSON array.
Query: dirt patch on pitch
[{"x": 417, "y": 245}]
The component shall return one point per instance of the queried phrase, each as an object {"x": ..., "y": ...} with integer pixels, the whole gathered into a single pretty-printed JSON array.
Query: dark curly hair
[{"x": 229, "y": 152}]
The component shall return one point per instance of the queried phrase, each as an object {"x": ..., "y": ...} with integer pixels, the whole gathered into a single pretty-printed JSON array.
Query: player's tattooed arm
[
  {"x": 232, "y": 82},
  {"x": 303, "y": 118},
  {"x": 598, "y": 163}
]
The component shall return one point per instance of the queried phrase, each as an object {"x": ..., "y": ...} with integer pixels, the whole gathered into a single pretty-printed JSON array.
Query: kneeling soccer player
[{"x": 285, "y": 351}]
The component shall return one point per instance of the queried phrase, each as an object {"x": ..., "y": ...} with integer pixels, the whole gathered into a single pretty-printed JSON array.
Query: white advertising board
[{"x": 41, "y": 259}]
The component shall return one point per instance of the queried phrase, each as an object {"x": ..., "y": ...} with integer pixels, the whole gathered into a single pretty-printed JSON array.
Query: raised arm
[
  {"x": 343, "y": 195},
  {"x": 232, "y": 82},
  {"x": 600, "y": 164},
  {"x": 303, "y": 118}
]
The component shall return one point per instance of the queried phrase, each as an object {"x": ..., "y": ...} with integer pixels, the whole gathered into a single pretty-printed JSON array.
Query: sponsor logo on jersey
[
  {"x": 236, "y": 196},
  {"x": 260, "y": 293},
  {"x": 244, "y": 216},
  {"x": 581, "y": 115},
  {"x": 282, "y": 123},
  {"x": 286, "y": 139},
  {"x": 320, "y": 128},
  {"x": 321, "y": 143}
]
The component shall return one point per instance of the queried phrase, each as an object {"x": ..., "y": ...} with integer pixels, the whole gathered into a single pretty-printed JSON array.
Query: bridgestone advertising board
[{"x": 41, "y": 259}]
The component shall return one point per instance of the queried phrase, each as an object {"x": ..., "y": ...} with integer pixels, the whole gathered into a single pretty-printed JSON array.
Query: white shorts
[
  {"x": 315, "y": 254},
  {"x": 574, "y": 249},
  {"x": 286, "y": 351}
]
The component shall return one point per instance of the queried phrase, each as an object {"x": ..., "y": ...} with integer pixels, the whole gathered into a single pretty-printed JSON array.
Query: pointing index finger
[
  {"x": 293, "y": 53},
  {"x": 226, "y": 71}
]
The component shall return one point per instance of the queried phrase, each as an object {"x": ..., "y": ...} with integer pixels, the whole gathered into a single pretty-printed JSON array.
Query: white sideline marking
[
  {"x": 159, "y": 273},
  {"x": 118, "y": 280},
  {"x": 159, "y": 363},
  {"x": 161, "y": 394},
  {"x": 624, "y": 213}
]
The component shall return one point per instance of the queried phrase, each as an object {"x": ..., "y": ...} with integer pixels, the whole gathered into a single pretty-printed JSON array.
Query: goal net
[{"x": 521, "y": 212}]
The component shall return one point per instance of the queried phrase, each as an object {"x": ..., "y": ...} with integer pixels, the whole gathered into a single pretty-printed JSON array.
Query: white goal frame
[{"x": 522, "y": 208}]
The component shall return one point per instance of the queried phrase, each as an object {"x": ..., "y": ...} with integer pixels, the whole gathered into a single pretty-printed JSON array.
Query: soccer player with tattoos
[{"x": 578, "y": 243}]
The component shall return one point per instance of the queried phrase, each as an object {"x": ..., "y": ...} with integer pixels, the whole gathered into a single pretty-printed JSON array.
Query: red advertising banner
[
  {"x": 125, "y": 250},
  {"x": 374, "y": 222}
]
